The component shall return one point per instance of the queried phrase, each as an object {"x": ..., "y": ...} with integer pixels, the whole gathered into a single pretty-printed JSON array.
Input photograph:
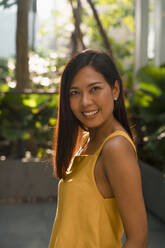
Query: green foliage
[
  {"x": 117, "y": 18},
  {"x": 148, "y": 105},
  {"x": 27, "y": 121},
  {"x": 29, "y": 118},
  {"x": 3, "y": 69},
  {"x": 8, "y": 3},
  {"x": 4, "y": 72},
  {"x": 45, "y": 70},
  {"x": 7, "y": 67}
]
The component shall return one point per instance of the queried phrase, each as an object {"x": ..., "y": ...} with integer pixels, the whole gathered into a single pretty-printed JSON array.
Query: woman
[{"x": 100, "y": 193}]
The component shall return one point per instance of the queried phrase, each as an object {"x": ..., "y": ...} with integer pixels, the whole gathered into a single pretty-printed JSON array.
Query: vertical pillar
[
  {"x": 141, "y": 33},
  {"x": 159, "y": 32},
  {"x": 32, "y": 24}
]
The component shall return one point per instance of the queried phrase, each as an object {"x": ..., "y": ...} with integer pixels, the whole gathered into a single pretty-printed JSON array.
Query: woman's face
[{"x": 91, "y": 97}]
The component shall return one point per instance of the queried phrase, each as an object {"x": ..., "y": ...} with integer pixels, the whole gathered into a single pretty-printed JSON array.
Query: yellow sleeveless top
[{"x": 84, "y": 218}]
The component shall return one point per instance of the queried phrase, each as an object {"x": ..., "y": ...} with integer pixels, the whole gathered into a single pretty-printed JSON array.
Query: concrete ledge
[
  {"x": 35, "y": 179},
  {"x": 153, "y": 182},
  {"x": 31, "y": 179}
]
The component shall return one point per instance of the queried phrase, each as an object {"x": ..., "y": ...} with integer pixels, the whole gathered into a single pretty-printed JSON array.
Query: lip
[
  {"x": 90, "y": 116},
  {"x": 88, "y": 111}
]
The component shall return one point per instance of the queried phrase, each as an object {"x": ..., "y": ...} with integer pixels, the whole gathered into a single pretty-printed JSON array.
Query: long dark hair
[{"x": 69, "y": 129}]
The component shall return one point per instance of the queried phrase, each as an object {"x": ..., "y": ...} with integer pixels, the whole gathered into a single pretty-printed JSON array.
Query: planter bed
[
  {"x": 27, "y": 181},
  {"x": 153, "y": 182}
]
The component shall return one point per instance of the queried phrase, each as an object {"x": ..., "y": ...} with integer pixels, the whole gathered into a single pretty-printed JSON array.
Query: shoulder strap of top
[
  {"x": 116, "y": 133},
  {"x": 85, "y": 140}
]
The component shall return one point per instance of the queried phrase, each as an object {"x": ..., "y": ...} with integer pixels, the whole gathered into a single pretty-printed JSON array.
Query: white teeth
[{"x": 90, "y": 113}]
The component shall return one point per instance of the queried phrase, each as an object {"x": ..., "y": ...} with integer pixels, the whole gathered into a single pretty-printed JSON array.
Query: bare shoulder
[
  {"x": 120, "y": 164},
  {"x": 118, "y": 147},
  {"x": 122, "y": 170}
]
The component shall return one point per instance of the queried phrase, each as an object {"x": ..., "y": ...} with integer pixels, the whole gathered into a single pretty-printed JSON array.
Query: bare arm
[{"x": 123, "y": 172}]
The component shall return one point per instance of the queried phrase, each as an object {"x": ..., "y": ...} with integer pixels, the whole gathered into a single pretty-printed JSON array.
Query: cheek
[
  {"x": 107, "y": 104},
  {"x": 106, "y": 98},
  {"x": 73, "y": 106}
]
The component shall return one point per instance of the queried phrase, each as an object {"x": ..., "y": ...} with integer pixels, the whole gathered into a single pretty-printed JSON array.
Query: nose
[{"x": 86, "y": 100}]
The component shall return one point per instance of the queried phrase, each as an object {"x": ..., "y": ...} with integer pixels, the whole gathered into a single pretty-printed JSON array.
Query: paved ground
[{"x": 29, "y": 226}]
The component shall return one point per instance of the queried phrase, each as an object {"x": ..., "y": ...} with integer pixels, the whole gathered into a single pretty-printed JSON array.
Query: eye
[
  {"x": 95, "y": 88},
  {"x": 73, "y": 93}
]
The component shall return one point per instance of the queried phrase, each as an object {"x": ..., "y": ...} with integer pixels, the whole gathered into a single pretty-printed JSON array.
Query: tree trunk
[
  {"x": 101, "y": 29},
  {"x": 22, "y": 68},
  {"x": 77, "y": 36}
]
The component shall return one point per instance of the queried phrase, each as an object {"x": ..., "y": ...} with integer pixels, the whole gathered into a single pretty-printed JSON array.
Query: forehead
[{"x": 87, "y": 75}]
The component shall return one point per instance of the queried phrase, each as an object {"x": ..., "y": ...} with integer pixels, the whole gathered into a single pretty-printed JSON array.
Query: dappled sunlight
[
  {"x": 12, "y": 84},
  {"x": 57, "y": 36},
  {"x": 38, "y": 64},
  {"x": 11, "y": 64},
  {"x": 2, "y": 158},
  {"x": 161, "y": 136},
  {"x": 44, "y": 81},
  {"x": 37, "y": 41},
  {"x": 44, "y": 71}
]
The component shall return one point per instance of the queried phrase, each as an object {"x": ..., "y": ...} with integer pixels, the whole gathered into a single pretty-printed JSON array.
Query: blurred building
[
  {"x": 149, "y": 36},
  {"x": 150, "y": 32},
  {"x": 8, "y": 19},
  {"x": 7, "y": 31}
]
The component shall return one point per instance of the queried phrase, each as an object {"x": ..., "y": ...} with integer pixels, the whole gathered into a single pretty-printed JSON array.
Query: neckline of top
[{"x": 93, "y": 154}]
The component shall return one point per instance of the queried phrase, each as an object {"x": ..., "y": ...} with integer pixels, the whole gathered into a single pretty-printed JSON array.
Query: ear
[{"x": 116, "y": 90}]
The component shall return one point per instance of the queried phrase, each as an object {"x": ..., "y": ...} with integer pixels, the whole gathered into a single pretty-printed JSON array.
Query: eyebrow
[{"x": 89, "y": 85}]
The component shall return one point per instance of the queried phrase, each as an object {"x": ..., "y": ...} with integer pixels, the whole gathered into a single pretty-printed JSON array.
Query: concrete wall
[
  {"x": 30, "y": 180},
  {"x": 153, "y": 182},
  {"x": 26, "y": 180}
]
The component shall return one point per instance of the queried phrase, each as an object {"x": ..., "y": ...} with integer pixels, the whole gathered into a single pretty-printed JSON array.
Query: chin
[{"x": 91, "y": 126}]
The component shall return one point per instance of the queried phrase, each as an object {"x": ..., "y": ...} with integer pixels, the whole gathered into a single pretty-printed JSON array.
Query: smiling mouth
[{"x": 91, "y": 114}]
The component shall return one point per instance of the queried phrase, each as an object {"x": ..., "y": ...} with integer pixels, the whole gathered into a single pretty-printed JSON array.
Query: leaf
[
  {"x": 151, "y": 88},
  {"x": 52, "y": 121},
  {"x": 4, "y": 87},
  {"x": 8, "y": 3},
  {"x": 30, "y": 103},
  {"x": 38, "y": 124},
  {"x": 130, "y": 23},
  {"x": 10, "y": 135},
  {"x": 142, "y": 99}
]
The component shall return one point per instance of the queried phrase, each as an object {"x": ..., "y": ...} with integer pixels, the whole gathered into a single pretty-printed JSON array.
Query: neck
[{"x": 103, "y": 131}]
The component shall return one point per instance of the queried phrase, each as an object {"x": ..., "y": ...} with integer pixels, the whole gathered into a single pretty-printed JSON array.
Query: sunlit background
[
  {"x": 47, "y": 20},
  {"x": 29, "y": 95},
  {"x": 53, "y": 38}
]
